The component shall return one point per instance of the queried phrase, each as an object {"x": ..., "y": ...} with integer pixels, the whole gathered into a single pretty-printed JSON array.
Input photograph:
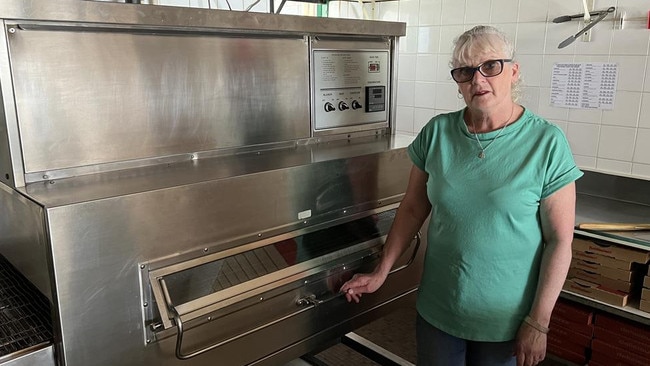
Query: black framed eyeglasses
[{"x": 487, "y": 68}]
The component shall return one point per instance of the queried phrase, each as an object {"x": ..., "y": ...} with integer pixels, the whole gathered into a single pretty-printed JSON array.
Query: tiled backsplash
[
  {"x": 614, "y": 141},
  {"x": 611, "y": 141}
]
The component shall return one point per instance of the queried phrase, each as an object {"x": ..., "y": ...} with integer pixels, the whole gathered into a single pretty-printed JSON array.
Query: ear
[{"x": 515, "y": 71}]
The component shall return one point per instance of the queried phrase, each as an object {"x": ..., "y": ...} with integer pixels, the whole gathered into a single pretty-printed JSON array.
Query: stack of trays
[
  {"x": 571, "y": 331},
  {"x": 645, "y": 293},
  {"x": 618, "y": 341},
  {"x": 605, "y": 272}
]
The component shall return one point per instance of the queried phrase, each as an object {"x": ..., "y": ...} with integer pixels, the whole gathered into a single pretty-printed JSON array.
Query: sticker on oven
[{"x": 304, "y": 214}]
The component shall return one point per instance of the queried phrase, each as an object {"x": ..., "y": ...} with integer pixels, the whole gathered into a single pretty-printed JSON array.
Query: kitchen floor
[{"x": 395, "y": 333}]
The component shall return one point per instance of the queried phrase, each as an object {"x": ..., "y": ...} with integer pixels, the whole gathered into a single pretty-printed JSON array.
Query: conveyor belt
[{"x": 25, "y": 319}]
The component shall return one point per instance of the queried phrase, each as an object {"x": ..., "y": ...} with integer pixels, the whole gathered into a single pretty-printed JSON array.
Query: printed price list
[{"x": 589, "y": 85}]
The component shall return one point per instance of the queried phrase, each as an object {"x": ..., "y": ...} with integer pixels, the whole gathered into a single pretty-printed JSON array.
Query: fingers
[
  {"x": 528, "y": 360},
  {"x": 354, "y": 288},
  {"x": 350, "y": 295},
  {"x": 357, "y": 282},
  {"x": 521, "y": 358}
]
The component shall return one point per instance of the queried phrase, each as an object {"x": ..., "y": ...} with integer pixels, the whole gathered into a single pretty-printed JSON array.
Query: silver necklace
[{"x": 481, "y": 153}]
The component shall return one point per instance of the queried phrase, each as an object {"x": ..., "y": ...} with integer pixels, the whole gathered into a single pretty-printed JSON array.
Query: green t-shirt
[{"x": 485, "y": 240}]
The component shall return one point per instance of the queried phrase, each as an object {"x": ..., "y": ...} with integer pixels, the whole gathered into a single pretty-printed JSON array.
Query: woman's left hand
[{"x": 530, "y": 346}]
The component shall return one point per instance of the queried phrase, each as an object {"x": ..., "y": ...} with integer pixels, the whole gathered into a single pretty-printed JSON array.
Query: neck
[{"x": 479, "y": 121}]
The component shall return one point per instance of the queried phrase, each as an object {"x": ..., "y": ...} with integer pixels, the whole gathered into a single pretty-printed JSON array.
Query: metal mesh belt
[{"x": 24, "y": 312}]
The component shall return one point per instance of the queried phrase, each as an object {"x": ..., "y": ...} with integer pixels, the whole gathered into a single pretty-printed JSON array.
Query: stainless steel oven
[{"x": 191, "y": 186}]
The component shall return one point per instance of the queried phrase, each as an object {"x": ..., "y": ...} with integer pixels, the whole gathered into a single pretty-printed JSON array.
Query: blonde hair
[{"x": 483, "y": 39}]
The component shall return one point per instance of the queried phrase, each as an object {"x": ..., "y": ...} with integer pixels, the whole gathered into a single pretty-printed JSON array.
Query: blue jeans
[{"x": 437, "y": 348}]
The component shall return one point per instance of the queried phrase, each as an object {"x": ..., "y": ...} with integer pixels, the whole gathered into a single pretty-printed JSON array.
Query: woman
[{"x": 499, "y": 183}]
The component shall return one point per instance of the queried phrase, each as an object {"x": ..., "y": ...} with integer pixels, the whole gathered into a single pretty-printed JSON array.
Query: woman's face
[{"x": 486, "y": 93}]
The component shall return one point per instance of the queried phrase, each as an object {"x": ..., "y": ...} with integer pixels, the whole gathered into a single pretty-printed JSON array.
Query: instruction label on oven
[{"x": 343, "y": 82}]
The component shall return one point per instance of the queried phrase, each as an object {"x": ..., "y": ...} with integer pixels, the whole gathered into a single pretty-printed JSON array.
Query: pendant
[{"x": 481, "y": 154}]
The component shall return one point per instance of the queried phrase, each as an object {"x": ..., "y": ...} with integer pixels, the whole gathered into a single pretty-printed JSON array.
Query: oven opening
[{"x": 281, "y": 259}]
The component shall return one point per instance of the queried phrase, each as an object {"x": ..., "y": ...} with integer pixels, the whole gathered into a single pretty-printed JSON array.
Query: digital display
[{"x": 375, "y": 98}]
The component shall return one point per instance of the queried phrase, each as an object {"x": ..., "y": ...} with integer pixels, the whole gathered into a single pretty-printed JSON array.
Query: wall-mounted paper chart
[{"x": 587, "y": 85}]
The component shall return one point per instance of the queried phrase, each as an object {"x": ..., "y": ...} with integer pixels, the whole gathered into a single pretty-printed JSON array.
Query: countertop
[{"x": 605, "y": 210}]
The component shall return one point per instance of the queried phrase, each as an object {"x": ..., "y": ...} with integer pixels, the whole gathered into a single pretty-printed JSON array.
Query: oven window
[{"x": 305, "y": 251}]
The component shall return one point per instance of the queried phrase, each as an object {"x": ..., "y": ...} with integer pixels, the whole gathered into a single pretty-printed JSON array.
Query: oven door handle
[
  {"x": 313, "y": 301},
  {"x": 179, "y": 338},
  {"x": 418, "y": 240},
  {"x": 307, "y": 303}
]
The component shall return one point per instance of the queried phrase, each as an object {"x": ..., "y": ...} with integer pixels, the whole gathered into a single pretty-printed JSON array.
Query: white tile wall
[
  {"x": 404, "y": 119},
  {"x": 421, "y": 116},
  {"x": 429, "y": 39},
  {"x": 477, "y": 12},
  {"x": 424, "y": 95},
  {"x": 644, "y": 117},
  {"x": 641, "y": 170},
  {"x": 583, "y": 138},
  {"x": 426, "y": 67},
  {"x": 502, "y": 11},
  {"x": 642, "y": 147},
  {"x": 612, "y": 141},
  {"x": 626, "y": 109},
  {"x": 614, "y": 166},
  {"x": 615, "y": 141},
  {"x": 454, "y": 12},
  {"x": 646, "y": 84},
  {"x": 429, "y": 11},
  {"x": 629, "y": 72},
  {"x": 530, "y": 70}
]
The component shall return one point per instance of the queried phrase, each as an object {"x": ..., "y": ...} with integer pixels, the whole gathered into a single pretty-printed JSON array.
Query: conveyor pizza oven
[{"x": 191, "y": 186}]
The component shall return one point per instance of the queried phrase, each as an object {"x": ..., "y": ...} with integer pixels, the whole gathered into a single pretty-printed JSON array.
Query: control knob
[
  {"x": 329, "y": 107},
  {"x": 356, "y": 105},
  {"x": 343, "y": 106}
]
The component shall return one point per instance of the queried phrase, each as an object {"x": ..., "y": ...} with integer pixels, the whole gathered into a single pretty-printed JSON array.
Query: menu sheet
[{"x": 588, "y": 85}]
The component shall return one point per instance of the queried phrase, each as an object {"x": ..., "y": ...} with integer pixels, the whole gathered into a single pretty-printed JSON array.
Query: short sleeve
[
  {"x": 561, "y": 168},
  {"x": 419, "y": 148}
]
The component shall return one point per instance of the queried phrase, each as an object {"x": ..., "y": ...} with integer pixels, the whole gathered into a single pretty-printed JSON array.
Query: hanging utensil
[
  {"x": 584, "y": 30},
  {"x": 587, "y": 16},
  {"x": 566, "y": 18}
]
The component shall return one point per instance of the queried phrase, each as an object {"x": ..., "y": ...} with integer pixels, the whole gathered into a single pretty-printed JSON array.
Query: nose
[{"x": 477, "y": 75}]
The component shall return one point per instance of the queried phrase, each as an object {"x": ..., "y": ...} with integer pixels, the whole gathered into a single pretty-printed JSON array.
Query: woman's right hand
[{"x": 362, "y": 283}]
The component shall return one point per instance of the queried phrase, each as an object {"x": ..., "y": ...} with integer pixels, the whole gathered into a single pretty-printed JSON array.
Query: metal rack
[{"x": 24, "y": 313}]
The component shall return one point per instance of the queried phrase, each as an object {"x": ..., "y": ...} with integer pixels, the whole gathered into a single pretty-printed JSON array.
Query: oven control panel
[{"x": 350, "y": 88}]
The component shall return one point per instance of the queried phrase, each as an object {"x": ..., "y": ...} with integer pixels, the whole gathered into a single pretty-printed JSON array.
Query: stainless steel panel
[
  {"x": 123, "y": 96},
  {"x": 23, "y": 238},
  {"x": 178, "y": 17},
  {"x": 98, "y": 246},
  {"x": 42, "y": 356},
  {"x": 624, "y": 189},
  {"x": 11, "y": 163},
  {"x": 99, "y": 186},
  {"x": 140, "y": 137}
]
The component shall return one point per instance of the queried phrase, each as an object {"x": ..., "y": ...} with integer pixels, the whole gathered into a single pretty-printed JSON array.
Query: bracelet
[{"x": 533, "y": 323}]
